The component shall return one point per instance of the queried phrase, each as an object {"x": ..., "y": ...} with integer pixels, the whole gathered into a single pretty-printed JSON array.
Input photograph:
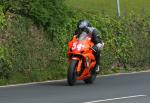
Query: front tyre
[{"x": 71, "y": 74}]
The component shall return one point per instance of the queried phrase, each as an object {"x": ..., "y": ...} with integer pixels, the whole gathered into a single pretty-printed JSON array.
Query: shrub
[
  {"x": 48, "y": 13},
  {"x": 2, "y": 17},
  {"x": 5, "y": 64}
]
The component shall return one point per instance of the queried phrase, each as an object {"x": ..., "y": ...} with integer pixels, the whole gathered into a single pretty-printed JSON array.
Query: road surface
[{"x": 126, "y": 88}]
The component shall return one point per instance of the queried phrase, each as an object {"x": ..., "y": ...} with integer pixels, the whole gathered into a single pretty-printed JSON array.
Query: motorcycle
[{"x": 81, "y": 59}]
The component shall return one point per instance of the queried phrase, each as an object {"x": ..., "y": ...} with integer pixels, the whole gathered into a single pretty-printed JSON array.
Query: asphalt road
[{"x": 131, "y": 88}]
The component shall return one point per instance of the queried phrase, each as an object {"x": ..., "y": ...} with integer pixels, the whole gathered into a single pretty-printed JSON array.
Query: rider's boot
[{"x": 97, "y": 69}]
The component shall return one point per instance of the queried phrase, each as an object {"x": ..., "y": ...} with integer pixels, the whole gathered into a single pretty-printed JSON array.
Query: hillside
[{"x": 108, "y": 7}]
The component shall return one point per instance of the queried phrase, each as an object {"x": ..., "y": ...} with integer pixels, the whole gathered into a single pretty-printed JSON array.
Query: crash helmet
[{"x": 83, "y": 24}]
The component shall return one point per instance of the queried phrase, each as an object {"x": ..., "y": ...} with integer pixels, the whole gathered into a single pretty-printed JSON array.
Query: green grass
[{"x": 108, "y": 7}]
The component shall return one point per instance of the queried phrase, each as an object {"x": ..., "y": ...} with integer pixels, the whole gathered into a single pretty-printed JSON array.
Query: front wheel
[{"x": 71, "y": 74}]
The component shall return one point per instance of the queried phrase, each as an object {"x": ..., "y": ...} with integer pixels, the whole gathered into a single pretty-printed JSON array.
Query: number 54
[{"x": 77, "y": 46}]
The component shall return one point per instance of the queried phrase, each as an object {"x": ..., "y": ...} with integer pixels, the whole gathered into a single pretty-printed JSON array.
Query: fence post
[{"x": 118, "y": 8}]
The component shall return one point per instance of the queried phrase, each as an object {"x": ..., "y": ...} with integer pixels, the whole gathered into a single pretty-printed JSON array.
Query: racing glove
[
  {"x": 97, "y": 47},
  {"x": 100, "y": 46}
]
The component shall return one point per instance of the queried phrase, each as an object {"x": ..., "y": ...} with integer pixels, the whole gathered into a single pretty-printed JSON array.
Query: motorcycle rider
[{"x": 85, "y": 26}]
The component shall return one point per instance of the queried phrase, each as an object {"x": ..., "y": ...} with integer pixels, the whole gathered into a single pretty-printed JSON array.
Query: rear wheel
[
  {"x": 91, "y": 79},
  {"x": 71, "y": 75}
]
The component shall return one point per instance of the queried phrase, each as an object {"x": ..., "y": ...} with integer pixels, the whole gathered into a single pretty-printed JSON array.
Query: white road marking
[
  {"x": 33, "y": 83},
  {"x": 119, "y": 98}
]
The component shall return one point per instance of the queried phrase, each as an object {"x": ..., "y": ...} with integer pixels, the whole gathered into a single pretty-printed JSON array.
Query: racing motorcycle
[{"x": 81, "y": 59}]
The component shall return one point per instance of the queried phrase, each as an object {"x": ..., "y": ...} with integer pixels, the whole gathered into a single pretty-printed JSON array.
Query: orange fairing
[
  {"x": 78, "y": 67},
  {"x": 77, "y": 46}
]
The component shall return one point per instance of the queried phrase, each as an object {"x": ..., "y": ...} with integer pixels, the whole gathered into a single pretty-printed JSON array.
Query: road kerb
[{"x": 51, "y": 81}]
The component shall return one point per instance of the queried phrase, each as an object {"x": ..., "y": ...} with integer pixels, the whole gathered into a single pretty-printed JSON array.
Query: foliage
[
  {"x": 2, "y": 17},
  {"x": 33, "y": 56},
  {"x": 30, "y": 49},
  {"x": 139, "y": 32},
  {"x": 48, "y": 13},
  {"x": 5, "y": 64}
]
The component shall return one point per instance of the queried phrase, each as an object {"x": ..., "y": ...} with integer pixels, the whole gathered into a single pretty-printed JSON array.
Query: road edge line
[
  {"x": 117, "y": 74},
  {"x": 51, "y": 81}
]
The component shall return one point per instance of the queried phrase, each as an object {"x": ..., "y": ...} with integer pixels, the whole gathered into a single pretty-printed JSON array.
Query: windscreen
[{"x": 82, "y": 36}]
